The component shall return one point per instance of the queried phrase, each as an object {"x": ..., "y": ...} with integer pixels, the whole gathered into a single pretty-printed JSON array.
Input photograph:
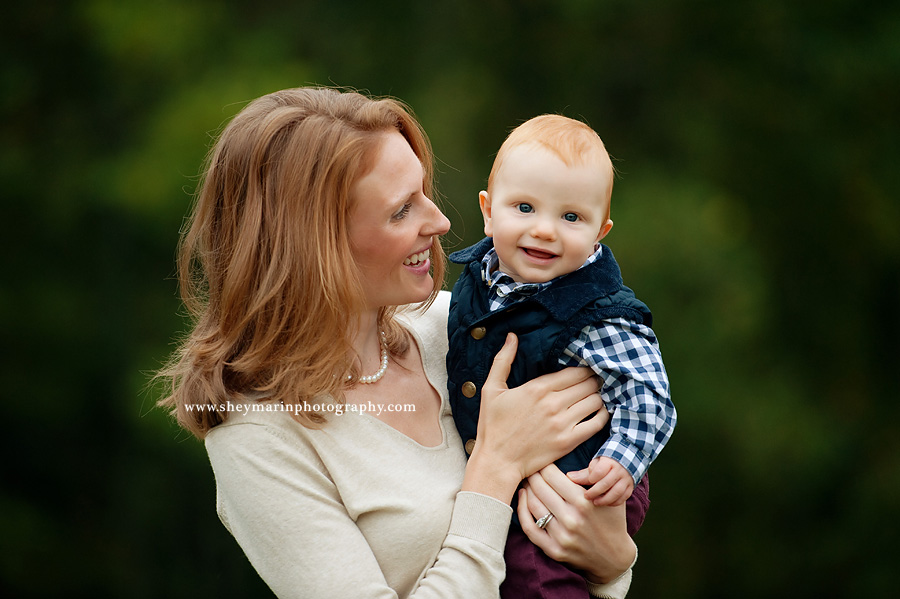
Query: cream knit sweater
[{"x": 356, "y": 508}]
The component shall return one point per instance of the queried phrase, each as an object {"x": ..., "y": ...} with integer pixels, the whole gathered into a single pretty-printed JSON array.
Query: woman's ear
[{"x": 484, "y": 201}]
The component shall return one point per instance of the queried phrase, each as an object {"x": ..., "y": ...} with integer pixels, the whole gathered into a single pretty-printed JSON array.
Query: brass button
[
  {"x": 470, "y": 446},
  {"x": 478, "y": 333},
  {"x": 468, "y": 389}
]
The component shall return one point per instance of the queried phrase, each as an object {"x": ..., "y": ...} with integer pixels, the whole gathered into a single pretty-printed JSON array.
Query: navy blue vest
[{"x": 545, "y": 324}]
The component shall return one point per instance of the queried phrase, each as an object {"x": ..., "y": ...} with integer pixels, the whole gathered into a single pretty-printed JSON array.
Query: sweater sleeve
[
  {"x": 277, "y": 499},
  {"x": 614, "y": 589}
]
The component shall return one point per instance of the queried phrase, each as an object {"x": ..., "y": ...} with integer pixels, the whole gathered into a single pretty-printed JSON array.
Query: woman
[{"x": 321, "y": 396}]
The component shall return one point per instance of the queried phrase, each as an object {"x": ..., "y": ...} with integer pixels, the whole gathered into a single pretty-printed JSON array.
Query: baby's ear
[
  {"x": 604, "y": 230},
  {"x": 484, "y": 201}
]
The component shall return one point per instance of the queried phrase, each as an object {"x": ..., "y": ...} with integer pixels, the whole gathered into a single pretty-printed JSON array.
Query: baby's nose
[{"x": 544, "y": 230}]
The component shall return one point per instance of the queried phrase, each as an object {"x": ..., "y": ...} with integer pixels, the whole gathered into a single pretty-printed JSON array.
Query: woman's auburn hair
[{"x": 265, "y": 264}]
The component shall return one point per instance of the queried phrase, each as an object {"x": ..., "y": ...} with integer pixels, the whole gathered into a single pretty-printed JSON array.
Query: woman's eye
[
  {"x": 402, "y": 212},
  {"x": 570, "y": 216},
  {"x": 526, "y": 208}
]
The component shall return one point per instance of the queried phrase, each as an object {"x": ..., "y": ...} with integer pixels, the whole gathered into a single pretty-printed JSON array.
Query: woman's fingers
[
  {"x": 496, "y": 378},
  {"x": 555, "y": 536},
  {"x": 577, "y": 413},
  {"x": 531, "y": 425},
  {"x": 530, "y": 509},
  {"x": 577, "y": 382},
  {"x": 554, "y": 489},
  {"x": 591, "y": 538},
  {"x": 586, "y": 417},
  {"x": 586, "y": 404},
  {"x": 543, "y": 499},
  {"x": 585, "y": 429},
  {"x": 572, "y": 379},
  {"x": 530, "y": 506}
]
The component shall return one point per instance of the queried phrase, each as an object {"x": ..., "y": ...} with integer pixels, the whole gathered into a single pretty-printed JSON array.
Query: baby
[{"x": 542, "y": 274}]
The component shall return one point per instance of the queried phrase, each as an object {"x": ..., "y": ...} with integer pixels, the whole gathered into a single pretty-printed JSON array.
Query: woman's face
[{"x": 392, "y": 226}]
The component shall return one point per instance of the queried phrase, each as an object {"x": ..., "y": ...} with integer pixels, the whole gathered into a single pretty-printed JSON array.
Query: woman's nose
[{"x": 437, "y": 224}]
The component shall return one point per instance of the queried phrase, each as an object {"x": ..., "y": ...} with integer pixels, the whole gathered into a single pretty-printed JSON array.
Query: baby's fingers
[
  {"x": 581, "y": 477},
  {"x": 605, "y": 484},
  {"x": 617, "y": 495}
]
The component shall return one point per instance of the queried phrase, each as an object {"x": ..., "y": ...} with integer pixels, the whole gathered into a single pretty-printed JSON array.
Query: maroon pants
[{"x": 530, "y": 574}]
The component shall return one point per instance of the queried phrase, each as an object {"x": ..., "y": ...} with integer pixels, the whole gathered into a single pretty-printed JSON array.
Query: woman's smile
[
  {"x": 394, "y": 225},
  {"x": 418, "y": 258}
]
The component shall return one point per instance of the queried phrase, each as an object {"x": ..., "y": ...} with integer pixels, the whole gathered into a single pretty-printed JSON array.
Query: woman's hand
[
  {"x": 523, "y": 429},
  {"x": 591, "y": 538}
]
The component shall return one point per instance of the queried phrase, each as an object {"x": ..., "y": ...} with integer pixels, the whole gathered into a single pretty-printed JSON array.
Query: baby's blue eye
[
  {"x": 570, "y": 216},
  {"x": 526, "y": 208}
]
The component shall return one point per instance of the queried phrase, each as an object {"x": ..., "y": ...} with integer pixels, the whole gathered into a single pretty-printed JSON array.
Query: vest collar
[
  {"x": 473, "y": 252},
  {"x": 569, "y": 293}
]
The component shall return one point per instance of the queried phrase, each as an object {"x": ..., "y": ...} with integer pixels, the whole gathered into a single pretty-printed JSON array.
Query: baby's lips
[{"x": 539, "y": 253}]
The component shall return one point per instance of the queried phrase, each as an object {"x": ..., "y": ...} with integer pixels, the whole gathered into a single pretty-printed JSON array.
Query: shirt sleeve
[
  {"x": 635, "y": 389},
  {"x": 277, "y": 500}
]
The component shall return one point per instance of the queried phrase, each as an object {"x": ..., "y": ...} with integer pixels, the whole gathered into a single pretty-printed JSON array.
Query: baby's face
[{"x": 545, "y": 217}]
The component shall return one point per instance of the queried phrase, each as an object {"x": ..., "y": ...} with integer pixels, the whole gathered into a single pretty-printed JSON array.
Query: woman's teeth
[{"x": 416, "y": 258}]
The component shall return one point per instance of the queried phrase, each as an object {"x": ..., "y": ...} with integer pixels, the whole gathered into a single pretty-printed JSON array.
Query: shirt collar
[{"x": 503, "y": 285}]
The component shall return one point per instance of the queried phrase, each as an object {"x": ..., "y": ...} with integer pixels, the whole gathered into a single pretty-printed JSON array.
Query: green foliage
[{"x": 755, "y": 212}]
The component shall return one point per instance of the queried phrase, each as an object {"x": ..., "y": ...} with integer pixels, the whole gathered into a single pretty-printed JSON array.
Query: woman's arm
[
  {"x": 521, "y": 430},
  {"x": 590, "y": 538},
  {"x": 280, "y": 503}
]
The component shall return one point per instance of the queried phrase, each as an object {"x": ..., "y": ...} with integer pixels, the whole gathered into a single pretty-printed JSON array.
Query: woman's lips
[{"x": 418, "y": 258}]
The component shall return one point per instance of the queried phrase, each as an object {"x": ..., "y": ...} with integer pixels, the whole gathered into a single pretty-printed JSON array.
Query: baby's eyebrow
[{"x": 521, "y": 196}]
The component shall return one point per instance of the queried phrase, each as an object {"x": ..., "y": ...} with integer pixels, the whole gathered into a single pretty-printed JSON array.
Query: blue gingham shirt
[{"x": 627, "y": 358}]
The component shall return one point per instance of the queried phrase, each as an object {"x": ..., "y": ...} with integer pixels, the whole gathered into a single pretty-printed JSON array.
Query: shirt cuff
[
  {"x": 481, "y": 518},
  {"x": 622, "y": 450}
]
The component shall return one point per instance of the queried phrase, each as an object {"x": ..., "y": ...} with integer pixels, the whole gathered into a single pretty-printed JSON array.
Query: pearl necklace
[{"x": 373, "y": 378}]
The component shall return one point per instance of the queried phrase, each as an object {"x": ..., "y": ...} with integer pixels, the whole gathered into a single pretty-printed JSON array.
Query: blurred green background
[{"x": 756, "y": 213}]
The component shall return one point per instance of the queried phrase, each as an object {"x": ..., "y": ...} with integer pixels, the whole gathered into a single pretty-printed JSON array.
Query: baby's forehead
[
  {"x": 538, "y": 172},
  {"x": 569, "y": 156}
]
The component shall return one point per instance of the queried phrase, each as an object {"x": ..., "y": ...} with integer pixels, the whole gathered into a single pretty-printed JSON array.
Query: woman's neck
[{"x": 367, "y": 342}]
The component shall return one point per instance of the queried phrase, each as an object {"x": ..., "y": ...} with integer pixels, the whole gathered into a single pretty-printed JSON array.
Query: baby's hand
[{"x": 612, "y": 482}]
